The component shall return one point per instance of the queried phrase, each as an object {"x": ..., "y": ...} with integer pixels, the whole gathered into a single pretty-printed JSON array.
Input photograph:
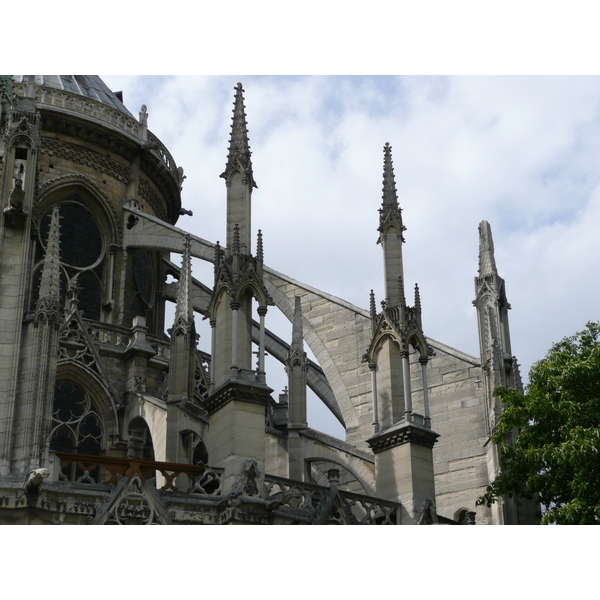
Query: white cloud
[{"x": 520, "y": 152}]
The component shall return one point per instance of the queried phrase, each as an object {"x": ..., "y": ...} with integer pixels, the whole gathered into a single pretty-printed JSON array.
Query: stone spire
[
  {"x": 239, "y": 148},
  {"x": 390, "y": 231},
  {"x": 390, "y": 211},
  {"x": 182, "y": 364},
  {"x": 296, "y": 367},
  {"x": 499, "y": 368},
  {"x": 390, "y": 196},
  {"x": 48, "y": 304},
  {"x": 297, "y": 335},
  {"x": 184, "y": 310},
  {"x": 487, "y": 263}
]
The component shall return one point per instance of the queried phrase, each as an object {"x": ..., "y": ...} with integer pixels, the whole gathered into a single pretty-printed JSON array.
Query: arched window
[
  {"x": 82, "y": 254},
  {"x": 76, "y": 425}
]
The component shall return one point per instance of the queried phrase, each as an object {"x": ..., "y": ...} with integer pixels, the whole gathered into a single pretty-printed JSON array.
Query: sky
[{"x": 521, "y": 152}]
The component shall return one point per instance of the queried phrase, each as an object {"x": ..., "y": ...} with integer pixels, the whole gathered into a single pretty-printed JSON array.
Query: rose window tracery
[{"x": 82, "y": 254}]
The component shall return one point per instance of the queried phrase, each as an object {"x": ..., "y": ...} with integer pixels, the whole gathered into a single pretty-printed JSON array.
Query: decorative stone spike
[
  {"x": 259, "y": 247},
  {"x": 417, "y": 298},
  {"x": 373, "y": 305},
  {"x": 390, "y": 196},
  {"x": 48, "y": 304},
  {"x": 487, "y": 262},
  {"x": 239, "y": 148},
  {"x": 390, "y": 212},
  {"x": 184, "y": 310}
]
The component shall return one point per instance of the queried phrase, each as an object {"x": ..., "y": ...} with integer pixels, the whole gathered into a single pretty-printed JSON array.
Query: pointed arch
[{"x": 88, "y": 381}]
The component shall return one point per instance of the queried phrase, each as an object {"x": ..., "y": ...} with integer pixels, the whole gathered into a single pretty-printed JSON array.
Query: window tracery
[
  {"x": 76, "y": 426},
  {"x": 82, "y": 255}
]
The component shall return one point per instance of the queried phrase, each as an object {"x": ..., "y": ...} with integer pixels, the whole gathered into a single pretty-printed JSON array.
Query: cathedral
[{"x": 111, "y": 414}]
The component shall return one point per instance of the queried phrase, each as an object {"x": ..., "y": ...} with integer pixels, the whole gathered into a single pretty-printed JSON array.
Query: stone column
[
  {"x": 406, "y": 380},
  {"x": 404, "y": 467},
  {"x": 234, "y": 338},
  {"x": 373, "y": 368},
  {"x": 213, "y": 343},
  {"x": 423, "y": 360},
  {"x": 262, "y": 311}
]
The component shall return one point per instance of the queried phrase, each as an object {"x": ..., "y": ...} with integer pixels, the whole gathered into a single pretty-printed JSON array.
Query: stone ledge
[{"x": 402, "y": 433}]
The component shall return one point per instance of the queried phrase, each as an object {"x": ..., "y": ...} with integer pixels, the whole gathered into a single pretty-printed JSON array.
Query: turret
[
  {"x": 46, "y": 322},
  {"x": 238, "y": 176},
  {"x": 183, "y": 359},
  {"x": 390, "y": 230},
  {"x": 239, "y": 394},
  {"x": 296, "y": 367},
  {"x": 499, "y": 367},
  {"x": 403, "y": 439}
]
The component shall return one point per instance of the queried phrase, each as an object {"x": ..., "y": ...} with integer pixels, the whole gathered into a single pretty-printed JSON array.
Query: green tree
[{"x": 549, "y": 439}]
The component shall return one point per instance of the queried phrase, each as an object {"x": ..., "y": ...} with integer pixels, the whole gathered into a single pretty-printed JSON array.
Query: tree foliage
[{"x": 549, "y": 439}]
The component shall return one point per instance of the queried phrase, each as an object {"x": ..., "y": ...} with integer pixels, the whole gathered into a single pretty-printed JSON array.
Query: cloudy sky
[{"x": 521, "y": 152}]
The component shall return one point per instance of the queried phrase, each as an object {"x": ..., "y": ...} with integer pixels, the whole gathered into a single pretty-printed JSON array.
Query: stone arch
[
  {"x": 362, "y": 471},
  {"x": 140, "y": 443},
  {"x": 256, "y": 290},
  {"x": 100, "y": 395},
  {"x": 154, "y": 414},
  {"x": 91, "y": 229},
  {"x": 417, "y": 340},
  {"x": 310, "y": 462},
  {"x": 97, "y": 202}
]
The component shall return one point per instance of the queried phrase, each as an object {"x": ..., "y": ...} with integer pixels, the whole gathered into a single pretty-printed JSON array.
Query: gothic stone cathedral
[{"x": 107, "y": 419}]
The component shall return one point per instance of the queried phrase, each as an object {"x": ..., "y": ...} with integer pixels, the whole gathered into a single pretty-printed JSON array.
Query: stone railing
[
  {"x": 93, "y": 110},
  {"x": 171, "y": 477},
  {"x": 312, "y": 500},
  {"x": 108, "y": 334},
  {"x": 371, "y": 511}
]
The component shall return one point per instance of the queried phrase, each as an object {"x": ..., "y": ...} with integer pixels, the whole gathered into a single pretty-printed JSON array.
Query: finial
[
  {"x": 417, "y": 298},
  {"x": 259, "y": 246},
  {"x": 390, "y": 213},
  {"x": 218, "y": 255},
  {"x": 184, "y": 310},
  {"x": 487, "y": 262},
  {"x": 390, "y": 197},
  {"x": 48, "y": 304},
  {"x": 239, "y": 149},
  {"x": 373, "y": 305}
]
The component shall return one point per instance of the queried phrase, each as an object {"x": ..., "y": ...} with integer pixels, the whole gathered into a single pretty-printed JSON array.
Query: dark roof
[{"x": 90, "y": 86}]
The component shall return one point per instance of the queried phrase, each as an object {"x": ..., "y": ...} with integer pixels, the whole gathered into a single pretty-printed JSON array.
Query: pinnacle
[
  {"x": 49, "y": 284},
  {"x": 184, "y": 310},
  {"x": 487, "y": 262},
  {"x": 239, "y": 147},
  {"x": 417, "y": 297},
  {"x": 390, "y": 197},
  {"x": 259, "y": 246},
  {"x": 297, "y": 335}
]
